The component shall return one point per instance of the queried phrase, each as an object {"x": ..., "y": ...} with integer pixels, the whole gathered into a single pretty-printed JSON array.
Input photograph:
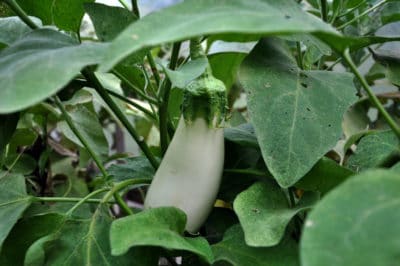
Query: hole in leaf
[
  {"x": 287, "y": 17},
  {"x": 304, "y": 84}
]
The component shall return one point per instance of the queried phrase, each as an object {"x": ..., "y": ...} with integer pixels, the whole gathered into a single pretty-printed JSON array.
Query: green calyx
[{"x": 205, "y": 97}]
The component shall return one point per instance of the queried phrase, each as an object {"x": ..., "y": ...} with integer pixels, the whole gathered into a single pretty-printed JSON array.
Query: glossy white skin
[{"x": 190, "y": 173}]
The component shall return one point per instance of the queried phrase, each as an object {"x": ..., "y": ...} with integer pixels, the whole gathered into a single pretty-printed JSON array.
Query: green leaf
[
  {"x": 324, "y": 176},
  {"x": 374, "y": 150},
  {"x": 81, "y": 242},
  {"x": 135, "y": 167},
  {"x": 23, "y": 164},
  {"x": 8, "y": 125},
  {"x": 24, "y": 234},
  {"x": 243, "y": 135},
  {"x": 181, "y": 77},
  {"x": 225, "y": 66},
  {"x": 390, "y": 59},
  {"x": 233, "y": 249},
  {"x": 355, "y": 223},
  {"x": 162, "y": 227},
  {"x": 89, "y": 126},
  {"x": 206, "y": 17},
  {"x": 65, "y": 14},
  {"x": 13, "y": 202},
  {"x": 264, "y": 213},
  {"x": 109, "y": 21},
  {"x": 296, "y": 114},
  {"x": 13, "y": 28},
  {"x": 42, "y": 51}
]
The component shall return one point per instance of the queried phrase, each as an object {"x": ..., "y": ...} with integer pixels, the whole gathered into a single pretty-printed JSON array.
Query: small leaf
[
  {"x": 109, "y": 21},
  {"x": 355, "y": 223},
  {"x": 243, "y": 135},
  {"x": 373, "y": 150},
  {"x": 296, "y": 114},
  {"x": 264, "y": 213},
  {"x": 225, "y": 66},
  {"x": 42, "y": 51},
  {"x": 325, "y": 175},
  {"x": 89, "y": 126},
  {"x": 8, "y": 125},
  {"x": 135, "y": 167},
  {"x": 233, "y": 249},
  {"x": 65, "y": 14},
  {"x": 13, "y": 202},
  {"x": 181, "y": 77},
  {"x": 162, "y": 227}
]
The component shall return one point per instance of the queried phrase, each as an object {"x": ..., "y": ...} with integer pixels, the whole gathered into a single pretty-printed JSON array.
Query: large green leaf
[
  {"x": 65, "y": 14},
  {"x": 13, "y": 202},
  {"x": 264, "y": 213},
  {"x": 296, "y": 114},
  {"x": 109, "y": 21},
  {"x": 39, "y": 65},
  {"x": 233, "y": 249},
  {"x": 374, "y": 150},
  {"x": 203, "y": 17},
  {"x": 79, "y": 242},
  {"x": 89, "y": 126},
  {"x": 162, "y": 227},
  {"x": 12, "y": 28},
  {"x": 356, "y": 224},
  {"x": 225, "y": 66},
  {"x": 25, "y": 233}
]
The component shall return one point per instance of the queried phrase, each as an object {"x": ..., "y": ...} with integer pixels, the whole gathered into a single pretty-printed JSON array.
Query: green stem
[
  {"x": 122, "y": 2},
  {"x": 134, "y": 88},
  {"x": 135, "y": 8},
  {"x": 324, "y": 10},
  {"x": 83, "y": 200},
  {"x": 122, "y": 204},
  {"x": 120, "y": 115},
  {"x": 164, "y": 96},
  {"x": 362, "y": 14},
  {"x": 21, "y": 13},
  {"x": 299, "y": 55},
  {"x": 67, "y": 200},
  {"x": 78, "y": 134},
  {"x": 154, "y": 69},
  {"x": 372, "y": 97},
  {"x": 138, "y": 106},
  {"x": 121, "y": 185}
]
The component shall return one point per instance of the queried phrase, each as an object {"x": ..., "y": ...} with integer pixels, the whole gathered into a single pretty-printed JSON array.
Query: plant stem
[
  {"x": 246, "y": 171},
  {"x": 67, "y": 200},
  {"x": 83, "y": 200},
  {"x": 21, "y": 13},
  {"x": 78, "y": 134},
  {"x": 299, "y": 55},
  {"x": 122, "y": 2},
  {"x": 121, "y": 185},
  {"x": 120, "y": 115},
  {"x": 154, "y": 69},
  {"x": 164, "y": 96},
  {"x": 135, "y": 8},
  {"x": 138, "y": 106},
  {"x": 324, "y": 10},
  {"x": 372, "y": 97},
  {"x": 362, "y": 14},
  {"x": 122, "y": 204},
  {"x": 134, "y": 88}
]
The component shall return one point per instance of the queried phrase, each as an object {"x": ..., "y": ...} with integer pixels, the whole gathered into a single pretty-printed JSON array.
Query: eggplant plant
[{"x": 205, "y": 133}]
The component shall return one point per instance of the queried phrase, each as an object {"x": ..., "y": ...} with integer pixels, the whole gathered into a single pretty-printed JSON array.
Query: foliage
[{"x": 311, "y": 136}]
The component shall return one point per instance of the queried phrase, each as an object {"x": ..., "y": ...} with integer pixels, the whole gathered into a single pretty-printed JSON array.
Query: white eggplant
[{"x": 190, "y": 173}]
